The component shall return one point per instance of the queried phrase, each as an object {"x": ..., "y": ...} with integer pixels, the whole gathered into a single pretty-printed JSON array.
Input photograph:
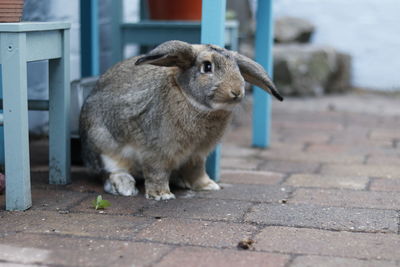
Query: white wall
[{"x": 369, "y": 30}]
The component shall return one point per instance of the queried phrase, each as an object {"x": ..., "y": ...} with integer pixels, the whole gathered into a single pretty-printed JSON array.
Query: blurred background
[{"x": 321, "y": 46}]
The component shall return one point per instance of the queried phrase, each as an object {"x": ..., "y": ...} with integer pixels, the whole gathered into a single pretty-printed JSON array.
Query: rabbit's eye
[{"x": 206, "y": 67}]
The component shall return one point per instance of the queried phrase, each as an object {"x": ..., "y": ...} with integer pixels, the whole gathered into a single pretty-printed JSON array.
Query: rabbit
[{"x": 158, "y": 116}]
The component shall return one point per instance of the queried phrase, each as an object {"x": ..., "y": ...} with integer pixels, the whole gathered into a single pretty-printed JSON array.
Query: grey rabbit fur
[{"x": 159, "y": 115}]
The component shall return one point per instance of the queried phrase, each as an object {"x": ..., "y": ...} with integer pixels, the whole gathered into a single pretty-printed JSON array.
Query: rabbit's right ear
[{"x": 169, "y": 54}]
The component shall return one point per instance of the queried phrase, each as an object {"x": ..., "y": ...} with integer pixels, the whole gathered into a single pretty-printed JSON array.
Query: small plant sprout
[{"x": 100, "y": 203}]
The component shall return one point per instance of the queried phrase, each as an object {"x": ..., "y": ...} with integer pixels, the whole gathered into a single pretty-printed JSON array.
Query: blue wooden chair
[
  {"x": 21, "y": 43},
  {"x": 212, "y": 31}
]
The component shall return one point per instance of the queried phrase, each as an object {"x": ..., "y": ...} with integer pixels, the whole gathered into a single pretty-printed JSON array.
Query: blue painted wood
[
  {"x": 212, "y": 32},
  {"x": 20, "y": 43},
  {"x": 116, "y": 38},
  {"x": 16, "y": 139},
  {"x": 1, "y": 127},
  {"x": 90, "y": 42},
  {"x": 263, "y": 51},
  {"x": 59, "y": 116},
  {"x": 33, "y": 26}
]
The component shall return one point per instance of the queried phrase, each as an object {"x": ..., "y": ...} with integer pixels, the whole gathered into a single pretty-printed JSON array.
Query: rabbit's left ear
[
  {"x": 169, "y": 54},
  {"x": 255, "y": 74}
]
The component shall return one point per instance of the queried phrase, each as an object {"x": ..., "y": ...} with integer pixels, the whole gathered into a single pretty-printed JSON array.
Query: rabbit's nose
[{"x": 235, "y": 94}]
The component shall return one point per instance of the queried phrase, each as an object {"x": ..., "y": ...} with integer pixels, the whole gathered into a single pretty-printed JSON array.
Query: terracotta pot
[
  {"x": 11, "y": 10},
  {"x": 175, "y": 9}
]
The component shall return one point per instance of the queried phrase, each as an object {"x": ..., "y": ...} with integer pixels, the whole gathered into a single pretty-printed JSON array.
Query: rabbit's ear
[
  {"x": 255, "y": 74},
  {"x": 169, "y": 54}
]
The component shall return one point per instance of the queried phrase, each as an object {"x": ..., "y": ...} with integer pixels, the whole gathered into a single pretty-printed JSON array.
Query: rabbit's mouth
[
  {"x": 225, "y": 102},
  {"x": 229, "y": 97}
]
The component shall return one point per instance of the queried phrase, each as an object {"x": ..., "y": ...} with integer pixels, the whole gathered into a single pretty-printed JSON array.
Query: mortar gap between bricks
[
  {"x": 306, "y": 146},
  {"x": 77, "y": 203},
  {"x": 319, "y": 168},
  {"x": 249, "y": 210},
  {"x": 395, "y": 143},
  {"x": 171, "y": 250},
  {"x": 398, "y": 222},
  {"x": 285, "y": 178},
  {"x": 330, "y": 140},
  {"x": 366, "y": 158},
  {"x": 369, "y": 133},
  {"x": 369, "y": 183},
  {"x": 292, "y": 257}
]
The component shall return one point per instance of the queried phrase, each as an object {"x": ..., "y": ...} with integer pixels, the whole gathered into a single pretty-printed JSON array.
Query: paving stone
[
  {"x": 310, "y": 124},
  {"x": 385, "y": 185},
  {"x": 309, "y": 260},
  {"x": 76, "y": 224},
  {"x": 239, "y": 151},
  {"x": 240, "y": 163},
  {"x": 298, "y": 156},
  {"x": 332, "y": 218},
  {"x": 286, "y": 166},
  {"x": 346, "y": 198},
  {"x": 301, "y": 137},
  {"x": 193, "y": 256},
  {"x": 119, "y": 204},
  {"x": 67, "y": 251},
  {"x": 195, "y": 232},
  {"x": 250, "y": 177},
  {"x": 385, "y": 160},
  {"x": 377, "y": 246},
  {"x": 327, "y": 181},
  {"x": 385, "y": 134},
  {"x": 209, "y": 209},
  {"x": 81, "y": 181},
  {"x": 376, "y": 150},
  {"x": 380, "y": 171},
  {"x": 53, "y": 199},
  {"x": 260, "y": 193},
  {"x": 354, "y": 140}
]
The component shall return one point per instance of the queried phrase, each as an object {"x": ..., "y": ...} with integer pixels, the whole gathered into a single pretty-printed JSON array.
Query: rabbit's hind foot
[{"x": 121, "y": 183}]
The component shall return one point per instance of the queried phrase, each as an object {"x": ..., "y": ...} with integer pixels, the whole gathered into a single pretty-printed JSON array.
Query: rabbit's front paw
[
  {"x": 205, "y": 183},
  {"x": 121, "y": 184},
  {"x": 210, "y": 185},
  {"x": 159, "y": 195}
]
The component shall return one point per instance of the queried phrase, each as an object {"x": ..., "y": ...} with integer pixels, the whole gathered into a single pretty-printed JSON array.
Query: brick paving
[{"x": 326, "y": 193}]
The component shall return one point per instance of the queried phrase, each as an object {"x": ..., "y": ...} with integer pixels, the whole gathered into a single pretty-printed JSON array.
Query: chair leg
[
  {"x": 261, "y": 100},
  {"x": 16, "y": 136},
  {"x": 212, "y": 32},
  {"x": 59, "y": 114}
]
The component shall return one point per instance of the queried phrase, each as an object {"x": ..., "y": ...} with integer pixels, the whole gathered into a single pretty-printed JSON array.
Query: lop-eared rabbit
[{"x": 159, "y": 115}]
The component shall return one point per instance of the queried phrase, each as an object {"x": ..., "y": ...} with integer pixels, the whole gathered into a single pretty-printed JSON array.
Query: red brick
[
  {"x": 250, "y": 177},
  {"x": 347, "y": 198},
  {"x": 311, "y": 260},
  {"x": 192, "y": 256},
  {"x": 286, "y": 166},
  {"x": 329, "y": 243},
  {"x": 385, "y": 134},
  {"x": 119, "y": 204},
  {"x": 379, "y": 171},
  {"x": 240, "y": 163},
  {"x": 194, "y": 232},
  {"x": 385, "y": 185},
  {"x": 384, "y": 160},
  {"x": 76, "y": 224},
  {"x": 70, "y": 251},
  {"x": 327, "y": 181}
]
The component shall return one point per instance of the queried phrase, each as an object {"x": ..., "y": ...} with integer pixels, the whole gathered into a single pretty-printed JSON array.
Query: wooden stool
[{"x": 21, "y": 43}]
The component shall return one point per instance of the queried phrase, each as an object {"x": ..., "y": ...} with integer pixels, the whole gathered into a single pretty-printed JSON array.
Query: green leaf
[{"x": 100, "y": 203}]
